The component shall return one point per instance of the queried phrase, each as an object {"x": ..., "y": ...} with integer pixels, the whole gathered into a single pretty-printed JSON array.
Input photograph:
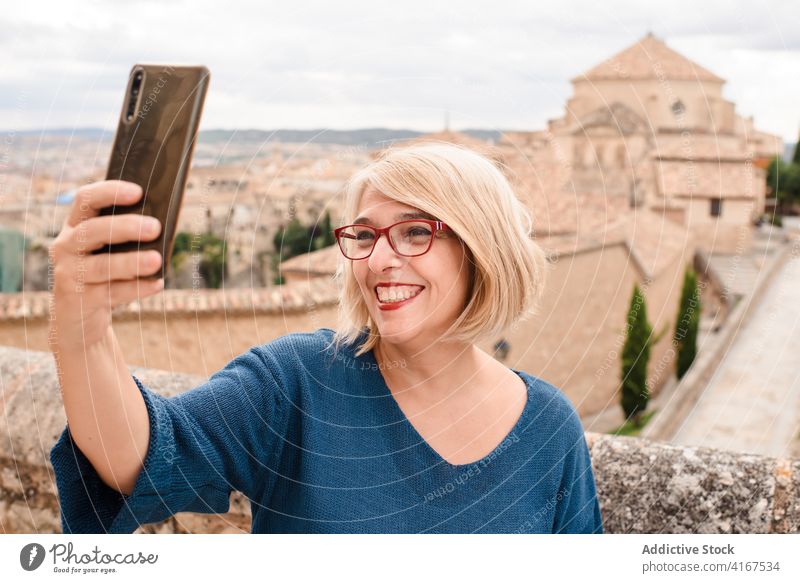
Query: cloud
[{"x": 354, "y": 64}]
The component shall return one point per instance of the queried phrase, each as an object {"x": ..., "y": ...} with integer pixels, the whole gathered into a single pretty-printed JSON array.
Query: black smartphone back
[{"x": 153, "y": 147}]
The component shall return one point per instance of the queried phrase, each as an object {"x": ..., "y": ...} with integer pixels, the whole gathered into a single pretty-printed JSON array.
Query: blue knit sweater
[{"x": 318, "y": 444}]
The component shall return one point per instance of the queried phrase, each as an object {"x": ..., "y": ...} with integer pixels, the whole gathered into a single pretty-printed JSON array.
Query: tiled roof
[
  {"x": 293, "y": 297},
  {"x": 649, "y": 58},
  {"x": 558, "y": 213},
  {"x": 652, "y": 240},
  {"x": 320, "y": 262},
  {"x": 543, "y": 183}
]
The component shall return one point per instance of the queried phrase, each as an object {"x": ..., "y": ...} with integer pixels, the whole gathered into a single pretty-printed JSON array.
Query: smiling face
[{"x": 442, "y": 274}]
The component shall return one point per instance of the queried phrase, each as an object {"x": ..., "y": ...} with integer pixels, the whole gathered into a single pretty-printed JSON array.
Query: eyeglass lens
[{"x": 408, "y": 239}]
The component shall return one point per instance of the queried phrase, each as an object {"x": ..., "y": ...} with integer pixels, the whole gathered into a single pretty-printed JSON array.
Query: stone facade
[{"x": 651, "y": 128}]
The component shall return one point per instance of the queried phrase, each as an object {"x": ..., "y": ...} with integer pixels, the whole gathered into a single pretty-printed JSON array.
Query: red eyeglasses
[{"x": 407, "y": 238}]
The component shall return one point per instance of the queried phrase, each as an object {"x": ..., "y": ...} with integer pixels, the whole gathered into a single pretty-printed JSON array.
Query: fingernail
[
  {"x": 130, "y": 188},
  {"x": 152, "y": 224},
  {"x": 160, "y": 283}
]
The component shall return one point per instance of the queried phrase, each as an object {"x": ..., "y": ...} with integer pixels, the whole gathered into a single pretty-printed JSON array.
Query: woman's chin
[
  {"x": 394, "y": 331},
  {"x": 403, "y": 324},
  {"x": 397, "y": 331}
]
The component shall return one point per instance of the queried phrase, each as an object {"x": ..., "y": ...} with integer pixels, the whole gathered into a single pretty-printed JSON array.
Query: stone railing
[{"x": 644, "y": 486}]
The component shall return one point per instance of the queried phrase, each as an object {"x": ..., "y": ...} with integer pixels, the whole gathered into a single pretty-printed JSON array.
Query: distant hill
[
  {"x": 372, "y": 137},
  {"x": 369, "y": 136},
  {"x": 89, "y": 133}
]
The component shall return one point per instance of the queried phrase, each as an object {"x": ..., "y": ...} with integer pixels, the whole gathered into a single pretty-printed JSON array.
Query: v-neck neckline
[{"x": 429, "y": 450}]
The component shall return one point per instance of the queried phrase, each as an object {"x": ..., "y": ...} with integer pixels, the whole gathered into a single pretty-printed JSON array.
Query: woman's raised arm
[{"x": 105, "y": 410}]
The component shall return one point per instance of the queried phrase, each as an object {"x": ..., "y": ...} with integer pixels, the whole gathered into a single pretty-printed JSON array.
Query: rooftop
[
  {"x": 649, "y": 58},
  {"x": 297, "y": 296},
  {"x": 652, "y": 241}
]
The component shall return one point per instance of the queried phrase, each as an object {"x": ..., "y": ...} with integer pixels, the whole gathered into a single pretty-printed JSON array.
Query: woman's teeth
[{"x": 395, "y": 294}]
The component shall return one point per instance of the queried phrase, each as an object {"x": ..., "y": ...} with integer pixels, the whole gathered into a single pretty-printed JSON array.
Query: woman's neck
[{"x": 433, "y": 374}]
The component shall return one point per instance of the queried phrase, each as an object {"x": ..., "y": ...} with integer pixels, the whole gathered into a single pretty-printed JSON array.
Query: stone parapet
[{"x": 644, "y": 486}]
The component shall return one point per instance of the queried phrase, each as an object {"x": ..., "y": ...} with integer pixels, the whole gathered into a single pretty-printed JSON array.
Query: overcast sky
[{"x": 400, "y": 64}]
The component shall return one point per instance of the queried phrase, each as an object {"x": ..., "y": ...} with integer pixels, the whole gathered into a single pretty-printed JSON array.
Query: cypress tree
[
  {"x": 687, "y": 323},
  {"x": 635, "y": 355}
]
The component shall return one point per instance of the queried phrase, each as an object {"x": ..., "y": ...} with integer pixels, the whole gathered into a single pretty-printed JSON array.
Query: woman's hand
[{"x": 87, "y": 287}]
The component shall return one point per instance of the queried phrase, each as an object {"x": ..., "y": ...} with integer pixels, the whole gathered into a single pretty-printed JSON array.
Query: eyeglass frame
[{"x": 437, "y": 226}]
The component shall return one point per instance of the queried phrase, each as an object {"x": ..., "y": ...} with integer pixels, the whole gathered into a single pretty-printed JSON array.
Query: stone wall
[
  {"x": 190, "y": 331},
  {"x": 644, "y": 486},
  {"x": 576, "y": 340}
]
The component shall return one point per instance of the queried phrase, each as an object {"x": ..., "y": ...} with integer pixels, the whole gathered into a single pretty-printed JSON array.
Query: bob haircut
[{"x": 472, "y": 196}]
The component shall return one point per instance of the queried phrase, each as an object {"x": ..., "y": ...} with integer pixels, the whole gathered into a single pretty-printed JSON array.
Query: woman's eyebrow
[{"x": 401, "y": 217}]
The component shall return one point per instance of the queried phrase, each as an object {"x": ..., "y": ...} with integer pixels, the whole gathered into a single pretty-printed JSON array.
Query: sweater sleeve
[
  {"x": 204, "y": 443},
  {"x": 577, "y": 507}
]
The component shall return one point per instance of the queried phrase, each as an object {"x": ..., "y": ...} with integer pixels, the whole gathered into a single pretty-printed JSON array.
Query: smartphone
[{"x": 153, "y": 147}]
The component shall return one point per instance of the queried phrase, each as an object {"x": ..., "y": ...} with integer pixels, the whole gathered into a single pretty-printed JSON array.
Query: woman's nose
[{"x": 383, "y": 255}]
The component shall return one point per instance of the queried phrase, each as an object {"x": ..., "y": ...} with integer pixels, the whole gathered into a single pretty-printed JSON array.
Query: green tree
[
  {"x": 212, "y": 251},
  {"x": 796, "y": 156},
  {"x": 783, "y": 181},
  {"x": 793, "y": 183},
  {"x": 635, "y": 356},
  {"x": 180, "y": 250},
  {"x": 295, "y": 239},
  {"x": 687, "y": 323},
  {"x": 326, "y": 238},
  {"x": 292, "y": 240},
  {"x": 183, "y": 242},
  {"x": 776, "y": 177},
  {"x": 212, "y": 264},
  {"x": 277, "y": 278}
]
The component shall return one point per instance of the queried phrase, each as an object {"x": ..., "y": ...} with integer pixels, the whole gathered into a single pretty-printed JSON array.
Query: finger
[
  {"x": 92, "y": 197},
  {"x": 114, "y": 293},
  {"x": 93, "y": 233},
  {"x": 118, "y": 266},
  {"x": 123, "y": 292}
]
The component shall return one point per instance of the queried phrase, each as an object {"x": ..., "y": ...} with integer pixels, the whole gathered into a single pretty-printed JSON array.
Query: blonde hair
[{"x": 471, "y": 195}]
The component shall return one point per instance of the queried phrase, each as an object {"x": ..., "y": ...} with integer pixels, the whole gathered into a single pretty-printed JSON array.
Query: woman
[{"x": 396, "y": 422}]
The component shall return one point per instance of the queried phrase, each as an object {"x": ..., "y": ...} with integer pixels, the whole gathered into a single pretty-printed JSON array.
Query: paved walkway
[
  {"x": 739, "y": 273},
  {"x": 752, "y": 403}
]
